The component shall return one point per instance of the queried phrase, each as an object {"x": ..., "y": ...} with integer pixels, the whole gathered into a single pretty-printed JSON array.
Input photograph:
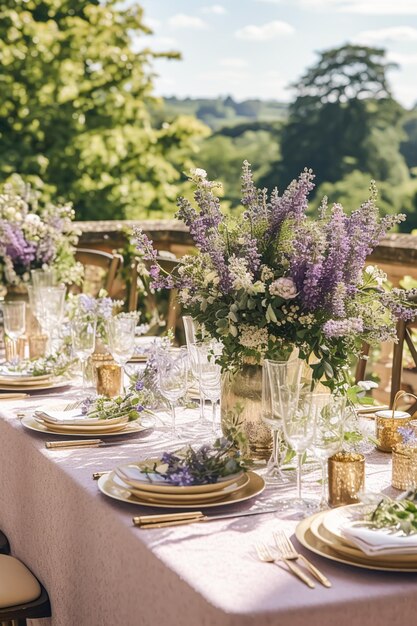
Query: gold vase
[{"x": 241, "y": 411}]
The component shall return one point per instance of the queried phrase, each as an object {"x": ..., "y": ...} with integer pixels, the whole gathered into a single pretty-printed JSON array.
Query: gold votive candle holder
[
  {"x": 387, "y": 424},
  {"x": 346, "y": 477},
  {"x": 109, "y": 379},
  {"x": 404, "y": 466},
  {"x": 37, "y": 346},
  {"x": 14, "y": 349}
]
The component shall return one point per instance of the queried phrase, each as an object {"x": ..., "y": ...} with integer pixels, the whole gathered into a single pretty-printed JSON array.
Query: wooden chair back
[{"x": 108, "y": 263}]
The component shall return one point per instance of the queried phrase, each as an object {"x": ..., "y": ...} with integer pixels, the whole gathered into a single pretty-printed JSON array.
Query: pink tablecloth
[{"x": 100, "y": 570}]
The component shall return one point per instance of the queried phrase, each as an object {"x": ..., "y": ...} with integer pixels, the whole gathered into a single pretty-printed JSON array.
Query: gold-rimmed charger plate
[
  {"x": 138, "y": 426},
  {"x": 254, "y": 487},
  {"x": 52, "y": 384},
  {"x": 306, "y": 537},
  {"x": 159, "y": 485},
  {"x": 198, "y": 498},
  {"x": 346, "y": 548}
]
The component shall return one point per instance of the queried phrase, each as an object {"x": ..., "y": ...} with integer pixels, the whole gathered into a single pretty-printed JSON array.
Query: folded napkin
[
  {"x": 61, "y": 417},
  {"x": 379, "y": 541}
]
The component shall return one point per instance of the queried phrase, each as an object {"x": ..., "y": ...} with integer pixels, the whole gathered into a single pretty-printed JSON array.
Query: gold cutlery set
[{"x": 285, "y": 552}]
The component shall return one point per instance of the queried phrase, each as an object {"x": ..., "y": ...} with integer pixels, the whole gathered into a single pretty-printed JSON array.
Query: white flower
[
  {"x": 198, "y": 171},
  {"x": 253, "y": 337},
  {"x": 284, "y": 288},
  {"x": 266, "y": 273},
  {"x": 367, "y": 385},
  {"x": 32, "y": 218}
]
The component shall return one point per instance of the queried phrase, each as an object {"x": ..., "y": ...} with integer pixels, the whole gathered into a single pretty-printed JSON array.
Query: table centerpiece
[
  {"x": 35, "y": 235},
  {"x": 272, "y": 279}
]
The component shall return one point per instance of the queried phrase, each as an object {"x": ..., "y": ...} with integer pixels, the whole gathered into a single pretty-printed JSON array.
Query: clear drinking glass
[
  {"x": 190, "y": 338},
  {"x": 50, "y": 303},
  {"x": 83, "y": 336},
  {"x": 172, "y": 379},
  {"x": 121, "y": 338},
  {"x": 274, "y": 474},
  {"x": 298, "y": 423},
  {"x": 328, "y": 412},
  {"x": 14, "y": 316},
  {"x": 42, "y": 278},
  {"x": 210, "y": 375}
]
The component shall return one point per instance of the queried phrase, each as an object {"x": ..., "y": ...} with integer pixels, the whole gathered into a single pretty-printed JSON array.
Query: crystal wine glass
[
  {"x": 42, "y": 278},
  {"x": 50, "y": 303},
  {"x": 14, "y": 316},
  {"x": 121, "y": 338},
  {"x": 278, "y": 369},
  {"x": 210, "y": 374},
  {"x": 172, "y": 379},
  {"x": 328, "y": 411},
  {"x": 83, "y": 336}
]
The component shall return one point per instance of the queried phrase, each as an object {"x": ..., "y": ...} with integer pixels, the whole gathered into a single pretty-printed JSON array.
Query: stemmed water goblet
[
  {"x": 172, "y": 379},
  {"x": 291, "y": 401},
  {"x": 121, "y": 338},
  {"x": 279, "y": 373},
  {"x": 210, "y": 374},
  {"x": 83, "y": 337},
  {"x": 194, "y": 363},
  {"x": 49, "y": 305},
  {"x": 14, "y": 317},
  {"x": 328, "y": 412}
]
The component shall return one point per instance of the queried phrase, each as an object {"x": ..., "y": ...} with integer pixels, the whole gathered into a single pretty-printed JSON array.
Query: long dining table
[{"x": 101, "y": 570}]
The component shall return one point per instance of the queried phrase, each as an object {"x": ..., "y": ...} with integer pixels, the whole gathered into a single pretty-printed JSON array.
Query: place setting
[
  {"x": 380, "y": 536},
  {"x": 190, "y": 478}
]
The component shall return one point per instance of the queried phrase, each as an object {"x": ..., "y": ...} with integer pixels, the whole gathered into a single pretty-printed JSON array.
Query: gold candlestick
[{"x": 346, "y": 477}]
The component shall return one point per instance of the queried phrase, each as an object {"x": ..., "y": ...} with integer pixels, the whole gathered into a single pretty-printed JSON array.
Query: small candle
[
  {"x": 37, "y": 346},
  {"x": 387, "y": 423},
  {"x": 346, "y": 477},
  {"x": 109, "y": 379}
]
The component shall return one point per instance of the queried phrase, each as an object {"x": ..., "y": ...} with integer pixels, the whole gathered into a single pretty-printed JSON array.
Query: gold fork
[
  {"x": 266, "y": 555},
  {"x": 289, "y": 553}
]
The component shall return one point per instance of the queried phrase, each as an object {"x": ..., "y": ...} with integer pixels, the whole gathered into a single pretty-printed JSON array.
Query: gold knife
[
  {"x": 74, "y": 443},
  {"x": 179, "y": 519},
  {"x": 13, "y": 396}
]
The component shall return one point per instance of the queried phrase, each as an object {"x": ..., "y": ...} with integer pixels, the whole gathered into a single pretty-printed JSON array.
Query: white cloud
[
  {"x": 216, "y": 9},
  {"x": 270, "y": 1},
  {"x": 152, "y": 23},
  {"x": 393, "y": 33},
  {"x": 265, "y": 32},
  {"x": 181, "y": 20},
  {"x": 403, "y": 59},
  {"x": 235, "y": 62},
  {"x": 365, "y": 7}
]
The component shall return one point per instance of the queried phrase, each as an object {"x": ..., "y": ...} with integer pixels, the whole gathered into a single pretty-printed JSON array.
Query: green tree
[
  {"x": 75, "y": 93},
  {"x": 342, "y": 110}
]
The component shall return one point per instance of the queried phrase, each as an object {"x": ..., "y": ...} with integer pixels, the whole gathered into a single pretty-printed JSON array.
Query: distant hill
[{"x": 220, "y": 112}]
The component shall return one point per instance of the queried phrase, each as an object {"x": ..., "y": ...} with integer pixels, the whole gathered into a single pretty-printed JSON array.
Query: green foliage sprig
[{"x": 398, "y": 515}]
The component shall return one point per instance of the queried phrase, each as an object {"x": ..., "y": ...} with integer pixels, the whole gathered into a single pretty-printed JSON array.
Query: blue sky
[{"x": 255, "y": 48}]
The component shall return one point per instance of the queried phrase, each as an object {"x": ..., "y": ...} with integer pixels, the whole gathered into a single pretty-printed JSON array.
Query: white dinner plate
[
  {"x": 109, "y": 488},
  {"x": 133, "y": 476},
  {"x": 138, "y": 426},
  {"x": 163, "y": 498}
]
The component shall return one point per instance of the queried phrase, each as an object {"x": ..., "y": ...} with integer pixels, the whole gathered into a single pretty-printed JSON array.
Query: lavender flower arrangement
[
  {"x": 34, "y": 236},
  {"x": 100, "y": 309},
  {"x": 132, "y": 404},
  {"x": 276, "y": 279},
  {"x": 203, "y": 466}
]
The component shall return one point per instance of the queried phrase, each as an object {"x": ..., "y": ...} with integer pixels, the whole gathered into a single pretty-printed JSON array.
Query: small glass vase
[{"x": 241, "y": 411}]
